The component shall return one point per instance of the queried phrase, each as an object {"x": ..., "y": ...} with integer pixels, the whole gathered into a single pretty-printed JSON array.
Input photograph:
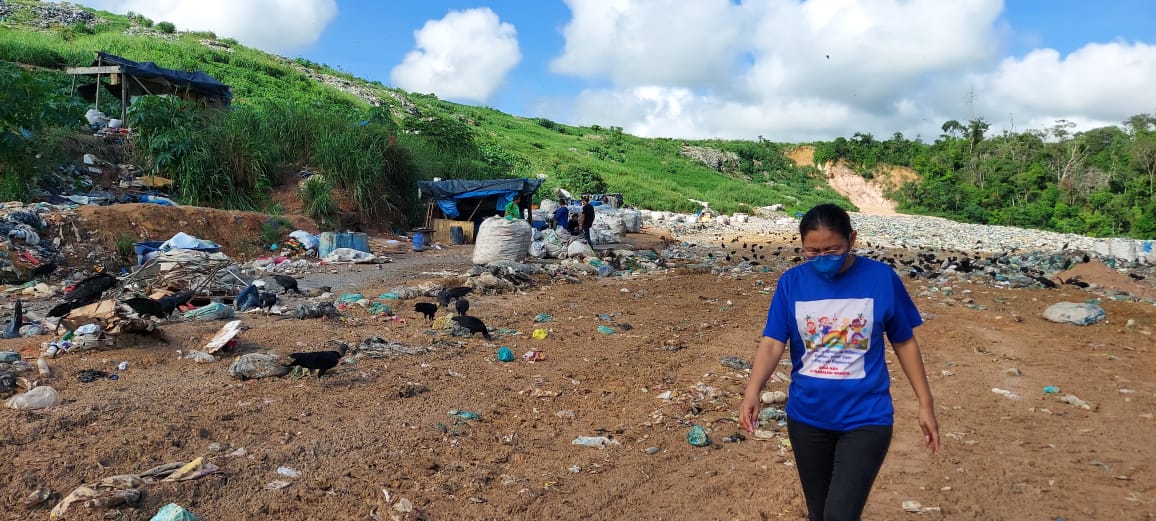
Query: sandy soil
[{"x": 377, "y": 431}]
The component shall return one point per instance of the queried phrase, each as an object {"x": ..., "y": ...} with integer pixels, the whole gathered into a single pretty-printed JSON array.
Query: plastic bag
[
  {"x": 538, "y": 249},
  {"x": 632, "y": 219},
  {"x": 499, "y": 239},
  {"x": 41, "y": 397},
  {"x": 174, "y": 512},
  {"x": 579, "y": 249}
]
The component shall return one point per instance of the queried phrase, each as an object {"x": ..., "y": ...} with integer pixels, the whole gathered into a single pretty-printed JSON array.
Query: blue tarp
[
  {"x": 195, "y": 81},
  {"x": 447, "y": 194}
]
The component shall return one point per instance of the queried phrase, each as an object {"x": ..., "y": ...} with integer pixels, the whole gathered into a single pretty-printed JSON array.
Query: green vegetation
[
  {"x": 1101, "y": 182},
  {"x": 373, "y": 150},
  {"x": 125, "y": 243},
  {"x": 274, "y": 229},
  {"x": 317, "y": 194}
]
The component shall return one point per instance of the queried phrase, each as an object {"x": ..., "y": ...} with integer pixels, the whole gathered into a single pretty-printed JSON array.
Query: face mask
[{"x": 827, "y": 266}]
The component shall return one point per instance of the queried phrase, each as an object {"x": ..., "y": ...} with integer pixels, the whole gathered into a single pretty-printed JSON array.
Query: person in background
[
  {"x": 834, "y": 311},
  {"x": 514, "y": 208},
  {"x": 562, "y": 215},
  {"x": 587, "y": 219}
]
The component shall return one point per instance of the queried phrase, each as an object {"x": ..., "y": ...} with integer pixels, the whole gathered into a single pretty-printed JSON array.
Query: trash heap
[{"x": 24, "y": 247}]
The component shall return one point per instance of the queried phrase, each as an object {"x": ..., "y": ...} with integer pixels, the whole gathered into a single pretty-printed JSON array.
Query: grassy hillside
[{"x": 368, "y": 139}]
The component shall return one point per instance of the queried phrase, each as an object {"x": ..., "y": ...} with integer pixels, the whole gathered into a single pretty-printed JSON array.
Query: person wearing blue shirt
[
  {"x": 562, "y": 215},
  {"x": 834, "y": 311}
]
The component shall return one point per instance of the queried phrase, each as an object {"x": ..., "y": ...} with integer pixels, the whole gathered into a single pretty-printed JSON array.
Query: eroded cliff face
[{"x": 868, "y": 194}]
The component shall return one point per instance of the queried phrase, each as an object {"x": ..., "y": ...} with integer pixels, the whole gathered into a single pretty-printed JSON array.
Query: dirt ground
[{"x": 376, "y": 434}]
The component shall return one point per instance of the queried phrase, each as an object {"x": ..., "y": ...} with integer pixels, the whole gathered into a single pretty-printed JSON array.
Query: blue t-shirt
[
  {"x": 562, "y": 216},
  {"x": 839, "y": 378}
]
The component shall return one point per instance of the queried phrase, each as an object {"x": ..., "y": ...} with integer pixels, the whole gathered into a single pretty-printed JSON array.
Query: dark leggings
[{"x": 837, "y": 468}]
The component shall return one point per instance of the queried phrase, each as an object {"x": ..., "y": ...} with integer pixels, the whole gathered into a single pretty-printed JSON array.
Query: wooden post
[
  {"x": 123, "y": 99},
  {"x": 99, "y": 62}
]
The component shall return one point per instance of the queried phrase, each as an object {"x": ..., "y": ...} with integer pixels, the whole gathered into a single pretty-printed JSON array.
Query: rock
[
  {"x": 1073, "y": 313},
  {"x": 717, "y": 160},
  {"x": 257, "y": 365}
]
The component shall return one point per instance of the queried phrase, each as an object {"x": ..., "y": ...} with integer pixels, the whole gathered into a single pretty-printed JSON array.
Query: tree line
[{"x": 1099, "y": 182}]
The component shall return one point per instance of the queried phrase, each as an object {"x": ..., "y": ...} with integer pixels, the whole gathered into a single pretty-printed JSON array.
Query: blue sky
[{"x": 790, "y": 70}]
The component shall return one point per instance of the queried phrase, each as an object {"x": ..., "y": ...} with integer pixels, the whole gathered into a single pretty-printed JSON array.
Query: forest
[{"x": 1099, "y": 182}]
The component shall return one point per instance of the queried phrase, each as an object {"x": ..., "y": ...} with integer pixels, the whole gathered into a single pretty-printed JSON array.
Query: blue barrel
[
  {"x": 418, "y": 241},
  {"x": 457, "y": 235},
  {"x": 332, "y": 240}
]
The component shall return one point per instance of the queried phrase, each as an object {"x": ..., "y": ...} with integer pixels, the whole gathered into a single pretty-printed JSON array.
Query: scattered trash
[
  {"x": 277, "y": 485},
  {"x": 773, "y": 397},
  {"x": 1073, "y": 313},
  {"x": 251, "y": 366},
  {"x": 736, "y": 363},
  {"x": 1014, "y": 371},
  {"x": 1003, "y": 392},
  {"x": 533, "y": 356},
  {"x": 772, "y": 414},
  {"x": 697, "y": 436},
  {"x": 41, "y": 397},
  {"x": 389, "y": 296},
  {"x": 123, "y": 366},
  {"x": 540, "y": 334},
  {"x": 7, "y": 357},
  {"x": 289, "y": 472},
  {"x": 665, "y": 395},
  {"x": 210, "y": 311},
  {"x": 916, "y": 508},
  {"x": 200, "y": 357},
  {"x": 600, "y": 442},
  {"x": 607, "y": 330},
  {"x": 87, "y": 376},
  {"x": 376, "y": 347},
  {"x": 1074, "y": 401},
  {"x": 505, "y": 355},
  {"x": 1051, "y": 389},
  {"x": 465, "y": 415},
  {"x": 223, "y": 337},
  {"x": 650, "y": 450},
  {"x": 312, "y": 310},
  {"x": 543, "y": 317},
  {"x": 174, "y": 512}
]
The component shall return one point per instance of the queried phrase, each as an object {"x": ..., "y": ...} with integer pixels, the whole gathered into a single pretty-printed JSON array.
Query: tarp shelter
[
  {"x": 146, "y": 78},
  {"x": 473, "y": 201}
]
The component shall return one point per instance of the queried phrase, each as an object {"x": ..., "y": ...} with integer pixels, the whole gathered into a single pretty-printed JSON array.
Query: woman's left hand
[{"x": 930, "y": 427}]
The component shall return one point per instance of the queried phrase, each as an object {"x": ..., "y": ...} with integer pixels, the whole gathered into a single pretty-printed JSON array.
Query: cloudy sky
[{"x": 787, "y": 70}]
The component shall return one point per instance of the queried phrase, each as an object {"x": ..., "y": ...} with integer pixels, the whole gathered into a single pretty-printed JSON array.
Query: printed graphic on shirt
[{"x": 836, "y": 334}]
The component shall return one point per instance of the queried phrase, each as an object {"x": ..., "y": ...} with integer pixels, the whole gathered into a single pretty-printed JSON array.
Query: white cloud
[
  {"x": 651, "y": 42},
  {"x": 818, "y": 69},
  {"x": 274, "y": 25},
  {"x": 466, "y": 55},
  {"x": 1098, "y": 81}
]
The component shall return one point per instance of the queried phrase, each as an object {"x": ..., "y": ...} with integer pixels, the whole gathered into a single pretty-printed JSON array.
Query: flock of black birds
[
  {"x": 928, "y": 264},
  {"x": 457, "y": 297}
]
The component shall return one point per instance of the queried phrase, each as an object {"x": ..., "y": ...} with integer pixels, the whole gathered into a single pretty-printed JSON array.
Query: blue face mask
[{"x": 827, "y": 266}]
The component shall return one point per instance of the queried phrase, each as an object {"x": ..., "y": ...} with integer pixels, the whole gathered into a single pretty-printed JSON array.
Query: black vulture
[
  {"x": 462, "y": 306},
  {"x": 428, "y": 309},
  {"x": 287, "y": 283},
  {"x": 320, "y": 361},
  {"x": 474, "y": 325}
]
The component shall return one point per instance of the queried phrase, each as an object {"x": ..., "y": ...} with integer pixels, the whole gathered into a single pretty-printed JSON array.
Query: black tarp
[
  {"x": 197, "y": 82},
  {"x": 448, "y": 193}
]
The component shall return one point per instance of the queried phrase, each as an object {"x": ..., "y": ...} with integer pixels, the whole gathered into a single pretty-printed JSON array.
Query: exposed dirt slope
[{"x": 869, "y": 195}]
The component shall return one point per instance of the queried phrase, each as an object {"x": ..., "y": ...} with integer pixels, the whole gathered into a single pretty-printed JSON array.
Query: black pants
[{"x": 837, "y": 468}]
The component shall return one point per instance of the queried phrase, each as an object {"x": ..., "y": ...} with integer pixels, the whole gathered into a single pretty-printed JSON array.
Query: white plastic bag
[
  {"x": 538, "y": 249},
  {"x": 41, "y": 397},
  {"x": 632, "y": 219},
  {"x": 579, "y": 249},
  {"x": 499, "y": 239}
]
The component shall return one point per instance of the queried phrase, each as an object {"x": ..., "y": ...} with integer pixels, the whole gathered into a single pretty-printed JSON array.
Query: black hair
[{"x": 827, "y": 216}]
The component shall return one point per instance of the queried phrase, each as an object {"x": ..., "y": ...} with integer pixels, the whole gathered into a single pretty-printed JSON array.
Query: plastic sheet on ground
[
  {"x": 350, "y": 255},
  {"x": 375, "y": 347},
  {"x": 211, "y": 311}
]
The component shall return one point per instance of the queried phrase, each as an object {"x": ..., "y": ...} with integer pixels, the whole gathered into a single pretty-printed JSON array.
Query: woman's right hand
[{"x": 749, "y": 412}]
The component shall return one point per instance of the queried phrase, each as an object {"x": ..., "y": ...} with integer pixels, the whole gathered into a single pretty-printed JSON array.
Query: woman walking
[{"x": 834, "y": 311}]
